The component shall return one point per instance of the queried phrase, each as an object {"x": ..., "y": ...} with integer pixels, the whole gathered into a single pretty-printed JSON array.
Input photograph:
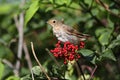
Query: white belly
[{"x": 62, "y": 36}]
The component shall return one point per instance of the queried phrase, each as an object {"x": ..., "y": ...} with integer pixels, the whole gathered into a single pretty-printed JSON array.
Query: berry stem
[
  {"x": 80, "y": 70},
  {"x": 92, "y": 74}
]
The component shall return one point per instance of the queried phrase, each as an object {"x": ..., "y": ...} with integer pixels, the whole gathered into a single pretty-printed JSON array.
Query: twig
[
  {"x": 81, "y": 70},
  {"x": 16, "y": 21},
  {"x": 77, "y": 68},
  {"x": 20, "y": 43},
  {"x": 91, "y": 76},
  {"x": 8, "y": 63},
  {"x": 52, "y": 57},
  {"x": 89, "y": 11},
  {"x": 104, "y": 5},
  {"x": 39, "y": 62},
  {"x": 27, "y": 56},
  {"x": 19, "y": 25}
]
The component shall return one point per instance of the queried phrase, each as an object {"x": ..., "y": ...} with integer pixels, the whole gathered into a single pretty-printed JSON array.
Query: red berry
[{"x": 67, "y": 52}]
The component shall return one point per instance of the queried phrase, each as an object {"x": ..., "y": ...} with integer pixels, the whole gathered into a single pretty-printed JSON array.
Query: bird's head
[{"x": 54, "y": 22}]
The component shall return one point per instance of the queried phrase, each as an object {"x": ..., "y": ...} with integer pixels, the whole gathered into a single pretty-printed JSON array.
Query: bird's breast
[
  {"x": 60, "y": 34},
  {"x": 63, "y": 36}
]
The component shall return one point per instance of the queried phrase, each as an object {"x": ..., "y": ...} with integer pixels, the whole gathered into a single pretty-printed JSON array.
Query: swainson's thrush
[{"x": 66, "y": 33}]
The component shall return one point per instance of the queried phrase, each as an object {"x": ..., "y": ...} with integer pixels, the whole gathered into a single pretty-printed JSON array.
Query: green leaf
[
  {"x": 118, "y": 37},
  {"x": 89, "y": 24},
  {"x": 104, "y": 38},
  {"x": 5, "y": 8},
  {"x": 26, "y": 77},
  {"x": 104, "y": 35},
  {"x": 61, "y": 2},
  {"x": 88, "y": 2},
  {"x": 5, "y": 52},
  {"x": 99, "y": 31},
  {"x": 67, "y": 2},
  {"x": 75, "y": 5},
  {"x": 111, "y": 23},
  {"x": 86, "y": 52},
  {"x": 115, "y": 42},
  {"x": 52, "y": 1},
  {"x": 95, "y": 11},
  {"x": 31, "y": 11},
  {"x": 93, "y": 61},
  {"x": 1, "y": 70},
  {"x": 13, "y": 78},
  {"x": 108, "y": 54},
  {"x": 36, "y": 70},
  {"x": 113, "y": 19},
  {"x": 48, "y": 9}
]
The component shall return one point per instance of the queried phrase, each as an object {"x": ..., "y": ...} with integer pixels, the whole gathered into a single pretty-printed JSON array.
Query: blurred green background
[{"x": 99, "y": 18}]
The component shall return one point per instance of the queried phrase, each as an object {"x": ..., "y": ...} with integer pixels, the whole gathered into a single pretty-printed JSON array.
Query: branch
[
  {"x": 77, "y": 68},
  {"x": 106, "y": 7},
  {"x": 8, "y": 63},
  {"x": 27, "y": 56},
  {"x": 39, "y": 62},
  {"x": 90, "y": 12},
  {"x": 80, "y": 70},
  {"x": 16, "y": 21},
  {"x": 19, "y": 25},
  {"x": 91, "y": 76}
]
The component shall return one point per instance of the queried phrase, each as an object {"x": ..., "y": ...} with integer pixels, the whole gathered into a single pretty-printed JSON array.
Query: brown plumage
[{"x": 66, "y": 33}]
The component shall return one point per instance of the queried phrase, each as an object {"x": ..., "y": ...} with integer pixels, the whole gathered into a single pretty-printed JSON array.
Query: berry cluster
[{"x": 67, "y": 51}]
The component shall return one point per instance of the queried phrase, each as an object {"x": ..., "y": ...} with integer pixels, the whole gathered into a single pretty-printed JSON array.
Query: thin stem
[
  {"x": 20, "y": 43},
  {"x": 19, "y": 25},
  {"x": 91, "y": 76},
  {"x": 77, "y": 68},
  {"x": 106, "y": 7},
  {"x": 5, "y": 61},
  {"x": 89, "y": 11},
  {"x": 81, "y": 70},
  {"x": 39, "y": 62},
  {"x": 27, "y": 56}
]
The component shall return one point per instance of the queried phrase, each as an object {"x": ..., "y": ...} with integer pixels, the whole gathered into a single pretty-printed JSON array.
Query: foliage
[{"x": 99, "y": 18}]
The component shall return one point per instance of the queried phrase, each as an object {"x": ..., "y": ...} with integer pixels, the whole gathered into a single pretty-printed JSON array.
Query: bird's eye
[{"x": 54, "y": 21}]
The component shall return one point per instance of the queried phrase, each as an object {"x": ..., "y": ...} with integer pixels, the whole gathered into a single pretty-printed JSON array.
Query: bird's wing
[{"x": 74, "y": 32}]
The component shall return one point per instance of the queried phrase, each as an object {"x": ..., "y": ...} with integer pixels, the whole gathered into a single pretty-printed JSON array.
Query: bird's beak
[{"x": 48, "y": 22}]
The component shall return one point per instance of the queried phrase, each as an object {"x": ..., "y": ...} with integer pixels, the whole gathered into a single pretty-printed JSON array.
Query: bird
[{"x": 66, "y": 33}]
